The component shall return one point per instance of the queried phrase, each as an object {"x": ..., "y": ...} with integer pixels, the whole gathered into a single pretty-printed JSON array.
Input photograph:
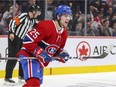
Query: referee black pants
[{"x": 13, "y": 48}]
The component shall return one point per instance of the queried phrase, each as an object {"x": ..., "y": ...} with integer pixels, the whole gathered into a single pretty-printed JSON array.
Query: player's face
[{"x": 65, "y": 18}]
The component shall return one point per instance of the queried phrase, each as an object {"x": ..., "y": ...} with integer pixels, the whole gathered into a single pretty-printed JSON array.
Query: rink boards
[{"x": 76, "y": 46}]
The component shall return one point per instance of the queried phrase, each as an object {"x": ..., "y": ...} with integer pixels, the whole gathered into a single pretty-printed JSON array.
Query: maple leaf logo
[{"x": 83, "y": 51}]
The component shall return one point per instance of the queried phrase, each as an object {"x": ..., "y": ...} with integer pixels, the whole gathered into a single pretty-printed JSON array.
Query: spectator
[
  {"x": 90, "y": 28},
  {"x": 6, "y": 17},
  {"x": 78, "y": 17},
  {"x": 79, "y": 29},
  {"x": 96, "y": 23},
  {"x": 109, "y": 13},
  {"x": 94, "y": 7},
  {"x": 1, "y": 8},
  {"x": 114, "y": 28},
  {"x": 114, "y": 5},
  {"x": 106, "y": 30},
  {"x": 27, "y": 4}
]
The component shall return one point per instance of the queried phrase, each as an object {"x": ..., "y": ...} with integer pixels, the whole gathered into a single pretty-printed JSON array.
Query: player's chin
[{"x": 65, "y": 24}]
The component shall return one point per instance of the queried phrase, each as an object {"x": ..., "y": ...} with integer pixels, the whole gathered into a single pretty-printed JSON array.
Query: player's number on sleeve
[{"x": 34, "y": 33}]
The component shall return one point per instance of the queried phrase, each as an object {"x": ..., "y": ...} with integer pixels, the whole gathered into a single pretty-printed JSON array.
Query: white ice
[{"x": 107, "y": 79}]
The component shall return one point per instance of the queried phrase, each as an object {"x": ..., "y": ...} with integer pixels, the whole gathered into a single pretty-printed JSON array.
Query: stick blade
[{"x": 109, "y": 48}]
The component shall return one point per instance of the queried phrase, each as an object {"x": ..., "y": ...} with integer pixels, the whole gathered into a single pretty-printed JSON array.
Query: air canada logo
[{"x": 83, "y": 49}]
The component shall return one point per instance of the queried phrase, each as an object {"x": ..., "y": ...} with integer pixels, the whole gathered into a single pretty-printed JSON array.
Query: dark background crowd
[{"x": 98, "y": 18}]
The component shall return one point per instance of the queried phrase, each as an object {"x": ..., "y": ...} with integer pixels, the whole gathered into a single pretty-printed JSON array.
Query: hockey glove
[
  {"x": 42, "y": 55},
  {"x": 63, "y": 56}
]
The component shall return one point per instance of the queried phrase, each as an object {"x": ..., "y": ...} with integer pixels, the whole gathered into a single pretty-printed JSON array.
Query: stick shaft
[
  {"x": 16, "y": 58},
  {"x": 109, "y": 48}
]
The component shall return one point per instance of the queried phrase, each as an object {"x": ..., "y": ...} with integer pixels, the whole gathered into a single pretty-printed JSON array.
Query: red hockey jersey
[{"x": 46, "y": 35}]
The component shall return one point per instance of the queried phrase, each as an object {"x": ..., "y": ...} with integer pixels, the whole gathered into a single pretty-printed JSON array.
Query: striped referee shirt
[{"x": 21, "y": 24}]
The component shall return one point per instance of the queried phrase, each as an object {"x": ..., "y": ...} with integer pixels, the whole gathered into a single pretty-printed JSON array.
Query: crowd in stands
[
  {"x": 101, "y": 15},
  {"x": 101, "y": 19}
]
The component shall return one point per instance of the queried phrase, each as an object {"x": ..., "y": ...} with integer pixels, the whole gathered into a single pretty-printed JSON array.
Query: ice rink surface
[{"x": 75, "y": 80}]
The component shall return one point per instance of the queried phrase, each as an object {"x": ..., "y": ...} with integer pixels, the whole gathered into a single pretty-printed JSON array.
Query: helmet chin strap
[
  {"x": 61, "y": 27},
  {"x": 58, "y": 20},
  {"x": 30, "y": 15}
]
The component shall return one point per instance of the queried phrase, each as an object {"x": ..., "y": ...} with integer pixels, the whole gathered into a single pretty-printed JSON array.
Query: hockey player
[{"x": 44, "y": 42}]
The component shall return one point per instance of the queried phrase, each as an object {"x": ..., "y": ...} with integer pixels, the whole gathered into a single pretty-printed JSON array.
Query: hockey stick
[
  {"x": 105, "y": 53},
  {"x": 16, "y": 58},
  {"x": 92, "y": 57},
  {"x": 109, "y": 48}
]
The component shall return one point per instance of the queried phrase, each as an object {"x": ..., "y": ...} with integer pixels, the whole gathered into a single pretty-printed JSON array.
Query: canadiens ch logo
[
  {"x": 83, "y": 49},
  {"x": 51, "y": 49}
]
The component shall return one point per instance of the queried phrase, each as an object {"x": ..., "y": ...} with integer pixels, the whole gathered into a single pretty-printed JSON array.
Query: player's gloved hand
[
  {"x": 63, "y": 56},
  {"x": 42, "y": 55}
]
